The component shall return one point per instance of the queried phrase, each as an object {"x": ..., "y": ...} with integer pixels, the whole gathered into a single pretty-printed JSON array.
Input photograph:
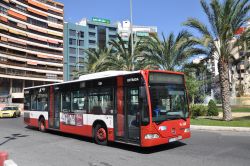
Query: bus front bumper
[{"x": 162, "y": 140}]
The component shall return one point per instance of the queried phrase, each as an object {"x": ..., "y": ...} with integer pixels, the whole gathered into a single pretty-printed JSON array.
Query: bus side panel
[
  {"x": 84, "y": 130},
  {"x": 85, "y": 127},
  {"x": 31, "y": 118}
]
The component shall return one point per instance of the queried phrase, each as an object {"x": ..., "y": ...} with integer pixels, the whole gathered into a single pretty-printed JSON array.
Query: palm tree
[
  {"x": 97, "y": 61},
  {"x": 170, "y": 53},
  {"x": 225, "y": 18},
  {"x": 122, "y": 57}
]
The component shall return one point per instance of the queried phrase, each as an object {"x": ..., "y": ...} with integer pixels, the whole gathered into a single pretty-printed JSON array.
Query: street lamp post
[
  {"x": 77, "y": 52},
  {"x": 131, "y": 33}
]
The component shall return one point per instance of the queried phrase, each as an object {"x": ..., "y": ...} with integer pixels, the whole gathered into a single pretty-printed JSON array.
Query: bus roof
[
  {"x": 105, "y": 74},
  {"x": 92, "y": 76}
]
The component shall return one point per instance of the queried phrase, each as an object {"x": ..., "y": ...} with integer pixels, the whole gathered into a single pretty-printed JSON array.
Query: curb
[{"x": 220, "y": 128}]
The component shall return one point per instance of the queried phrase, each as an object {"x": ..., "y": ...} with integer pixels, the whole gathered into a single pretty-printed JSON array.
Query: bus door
[
  {"x": 132, "y": 113},
  {"x": 54, "y": 108},
  {"x": 127, "y": 121}
]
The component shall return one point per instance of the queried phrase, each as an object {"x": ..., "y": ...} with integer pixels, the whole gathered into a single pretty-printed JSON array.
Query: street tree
[
  {"x": 224, "y": 19},
  {"x": 122, "y": 56},
  {"x": 172, "y": 52}
]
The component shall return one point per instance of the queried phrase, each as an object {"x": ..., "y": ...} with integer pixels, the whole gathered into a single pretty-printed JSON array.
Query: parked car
[{"x": 10, "y": 111}]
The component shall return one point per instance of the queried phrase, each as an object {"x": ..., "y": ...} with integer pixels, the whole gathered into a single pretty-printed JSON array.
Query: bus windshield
[{"x": 168, "y": 102}]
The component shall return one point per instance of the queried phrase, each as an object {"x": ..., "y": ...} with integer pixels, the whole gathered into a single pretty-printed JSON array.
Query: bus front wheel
[
  {"x": 41, "y": 125},
  {"x": 100, "y": 135}
]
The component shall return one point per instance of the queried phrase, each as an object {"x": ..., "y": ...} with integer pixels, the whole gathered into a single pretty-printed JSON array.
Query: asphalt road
[{"x": 29, "y": 147}]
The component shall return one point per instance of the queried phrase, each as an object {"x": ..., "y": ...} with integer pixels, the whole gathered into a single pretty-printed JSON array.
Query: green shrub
[
  {"x": 198, "y": 110},
  {"x": 212, "y": 109}
]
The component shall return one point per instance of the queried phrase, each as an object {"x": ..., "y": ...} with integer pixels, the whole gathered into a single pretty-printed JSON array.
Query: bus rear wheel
[
  {"x": 41, "y": 125},
  {"x": 100, "y": 135}
]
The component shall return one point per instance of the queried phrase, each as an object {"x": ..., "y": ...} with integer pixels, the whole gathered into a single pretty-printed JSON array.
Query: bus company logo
[
  {"x": 132, "y": 80},
  {"x": 173, "y": 131}
]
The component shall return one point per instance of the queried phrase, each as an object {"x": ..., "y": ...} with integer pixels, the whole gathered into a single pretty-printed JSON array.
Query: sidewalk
[{"x": 220, "y": 128}]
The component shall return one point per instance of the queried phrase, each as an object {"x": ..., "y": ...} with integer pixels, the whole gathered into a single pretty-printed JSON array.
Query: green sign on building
[
  {"x": 100, "y": 20},
  {"x": 141, "y": 34}
]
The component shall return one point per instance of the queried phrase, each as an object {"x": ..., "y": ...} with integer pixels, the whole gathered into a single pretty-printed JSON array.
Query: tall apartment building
[
  {"x": 124, "y": 30},
  {"x": 95, "y": 33},
  {"x": 31, "y": 46}
]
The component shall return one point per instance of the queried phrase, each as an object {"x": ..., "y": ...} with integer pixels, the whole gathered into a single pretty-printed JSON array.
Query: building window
[
  {"x": 91, "y": 26},
  {"x": 17, "y": 86},
  {"x": 81, "y": 43},
  {"x": 81, "y": 34},
  {"x": 72, "y": 32},
  {"x": 72, "y": 50},
  {"x": 112, "y": 36},
  {"x": 91, "y": 34},
  {"x": 21, "y": 8},
  {"x": 72, "y": 60},
  {"x": 81, "y": 60},
  {"x": 112, "y": 29},
  {"x": 72, "y": 69},
  {"x": 38, "y": 23},
  {"x": 51, "y": 76},
  {"x": 81, "y": 51},
  {"x": 72, "y": 41},
  {"x": 52, "y": 19},
  {"x": 92, "y": 41},
  {"x": 3, "y": 10}
]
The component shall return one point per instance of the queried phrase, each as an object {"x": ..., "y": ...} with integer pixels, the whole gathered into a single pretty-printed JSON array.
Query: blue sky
[{"x": 167, "y": 15}]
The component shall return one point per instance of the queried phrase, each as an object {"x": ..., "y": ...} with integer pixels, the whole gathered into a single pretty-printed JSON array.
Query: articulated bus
[{"x": 143, "y": 108}]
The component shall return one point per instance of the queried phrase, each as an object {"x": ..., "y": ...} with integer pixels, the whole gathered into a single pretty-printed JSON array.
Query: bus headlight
[
  {"x": 187, "y": 130},
  {"x": 151, "y": 136}
]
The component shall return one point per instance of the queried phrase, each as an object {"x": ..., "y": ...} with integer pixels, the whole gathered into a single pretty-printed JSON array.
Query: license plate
[{"x": 175, "y": 139}]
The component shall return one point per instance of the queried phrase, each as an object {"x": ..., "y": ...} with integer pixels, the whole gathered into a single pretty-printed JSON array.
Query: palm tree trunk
[{"x": 225, "y": 89}]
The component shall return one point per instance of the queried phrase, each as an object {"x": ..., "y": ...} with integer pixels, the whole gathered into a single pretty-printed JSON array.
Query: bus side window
[
  {"x": 101, "y": 101},
  {"x": 33, "y": 102},
  {"x": 27, "y": 102},
  {"x": 66, "y": 102},
  {"x": 79, "y": 101}
]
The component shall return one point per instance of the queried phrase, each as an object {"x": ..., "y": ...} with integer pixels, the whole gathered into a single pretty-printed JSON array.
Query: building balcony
[
  {"x": 47, "y": 30},
  {"x": 31, "y": 49},
  {"x": 30, "y": 65},
  {"x": 25, "y": 57},
  {"x": 20, "y": 74}
]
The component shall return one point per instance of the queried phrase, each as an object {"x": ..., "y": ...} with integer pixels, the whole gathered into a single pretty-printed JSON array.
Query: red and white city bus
[{"x": 144, "y": 108}]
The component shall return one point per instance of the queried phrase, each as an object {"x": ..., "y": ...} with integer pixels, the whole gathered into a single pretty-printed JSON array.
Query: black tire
[
  {"x": 42, "y": 125},
  {"x": 100, "y": 135},
  {"x": 14, "y": 115}
]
